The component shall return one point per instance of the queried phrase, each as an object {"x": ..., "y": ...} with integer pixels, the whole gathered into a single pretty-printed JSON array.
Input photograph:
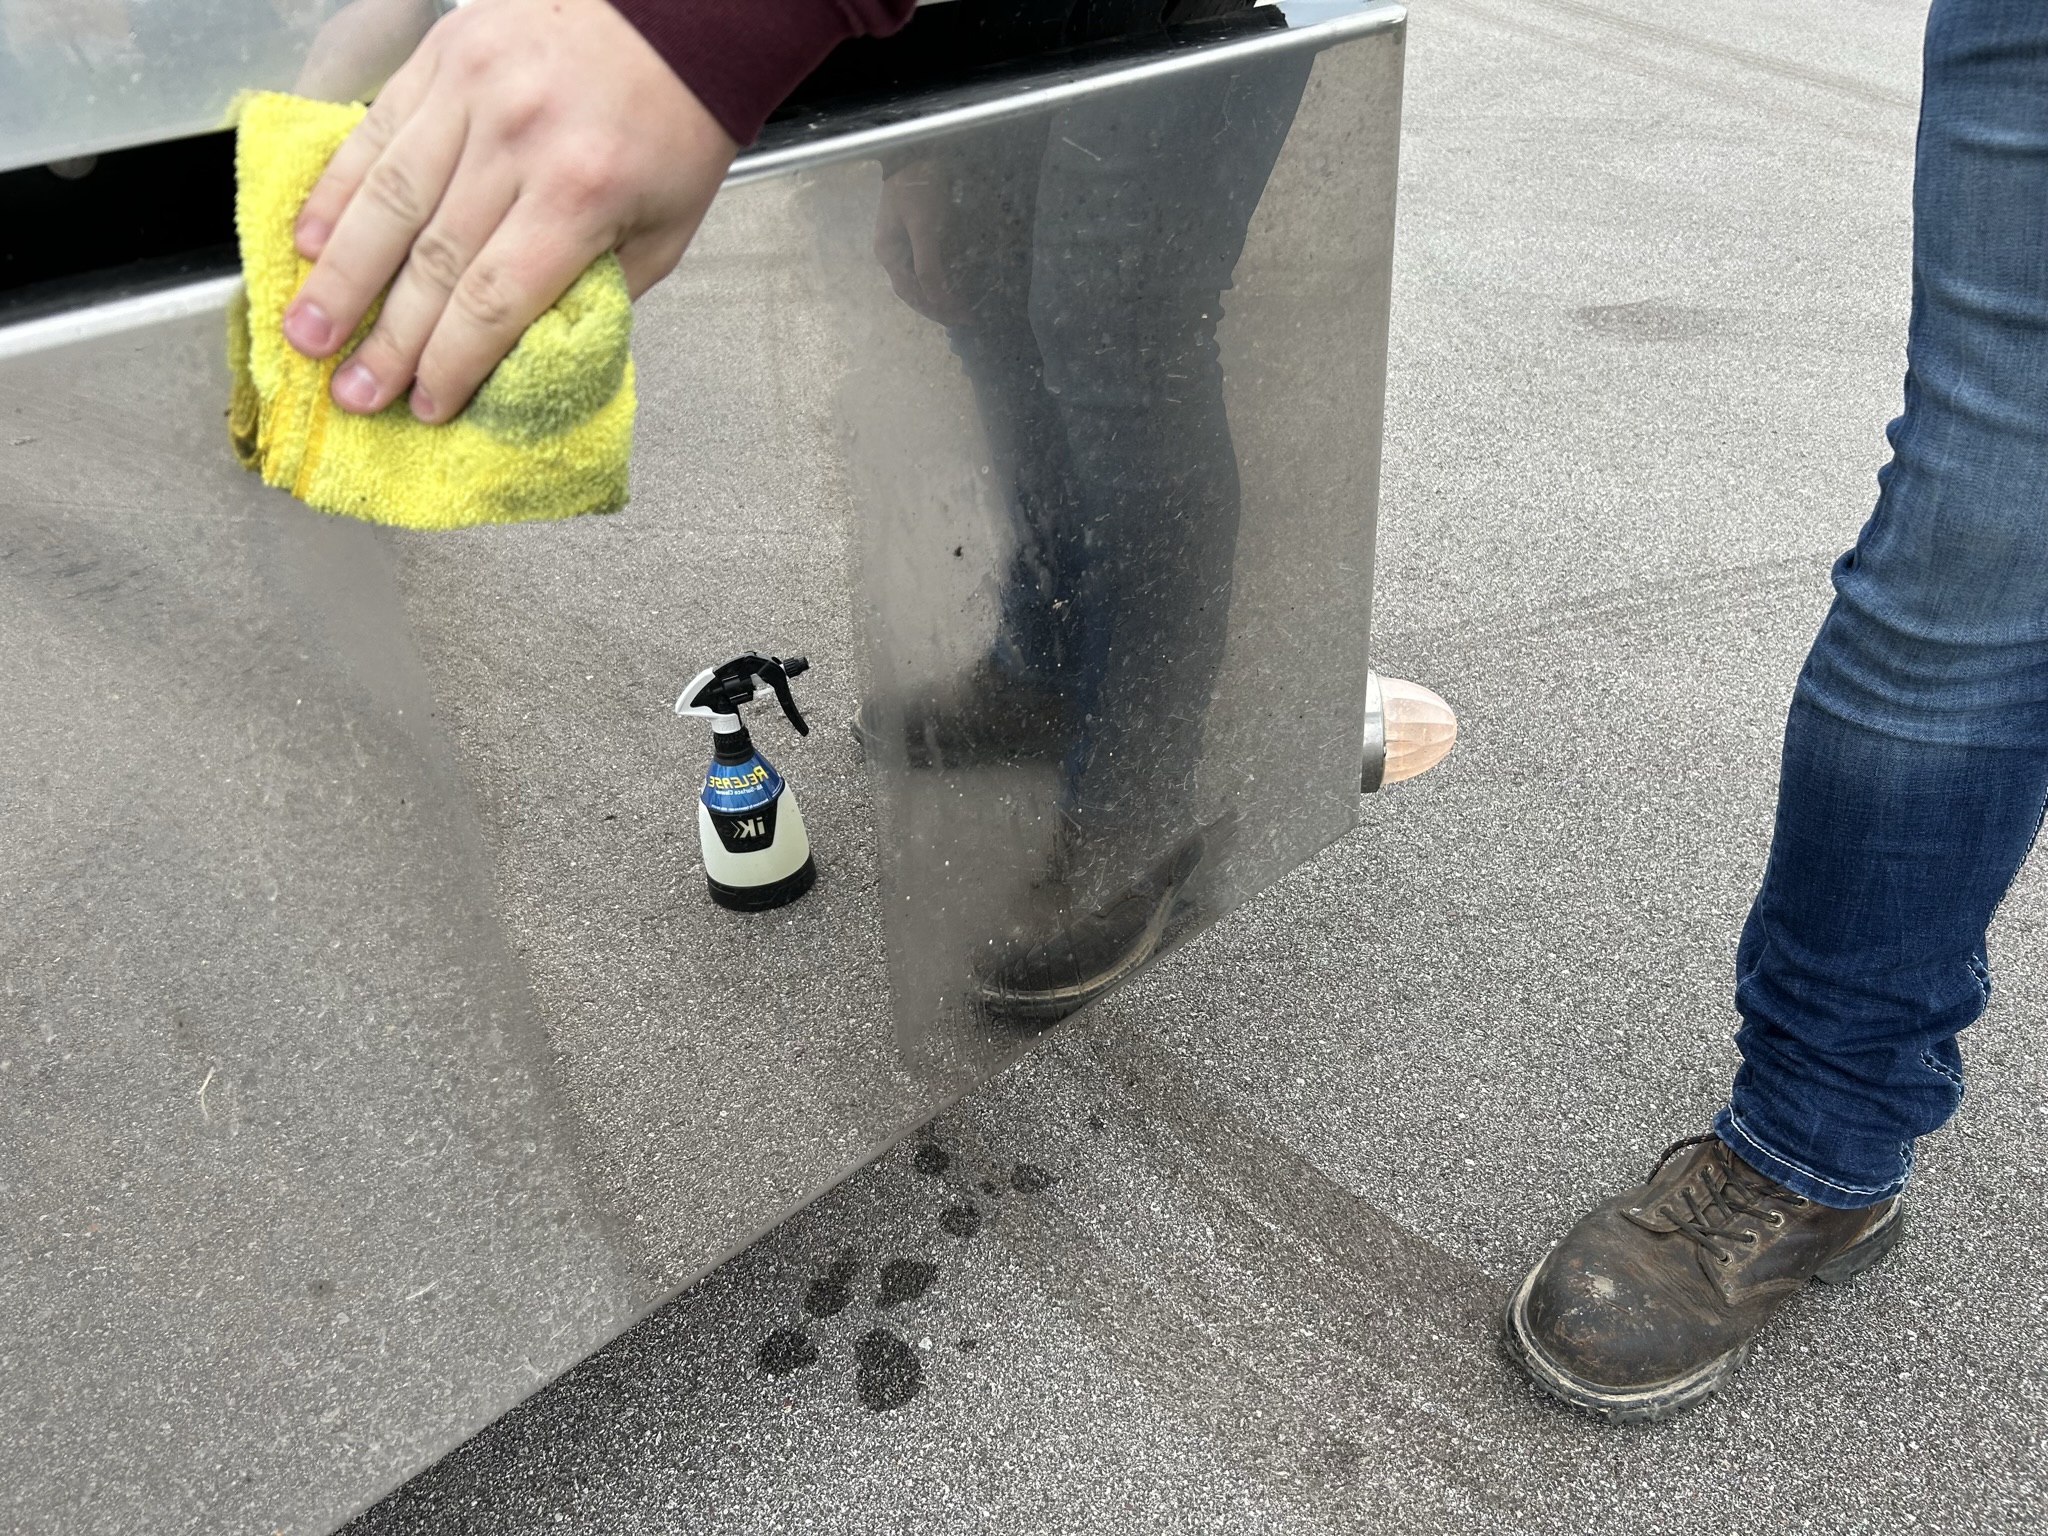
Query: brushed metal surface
[{"x": 369, "y": 1051}]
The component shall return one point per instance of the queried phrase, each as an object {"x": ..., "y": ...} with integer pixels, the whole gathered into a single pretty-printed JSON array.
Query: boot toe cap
[{"x": 1600, "y": 1320}]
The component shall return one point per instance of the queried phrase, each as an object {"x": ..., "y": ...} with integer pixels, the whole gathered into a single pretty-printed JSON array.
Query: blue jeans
[{"x": 1916, "y": 755}]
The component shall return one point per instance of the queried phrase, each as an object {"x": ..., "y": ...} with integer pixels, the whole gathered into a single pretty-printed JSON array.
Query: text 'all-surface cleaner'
[{"x": 756, "y": 853}]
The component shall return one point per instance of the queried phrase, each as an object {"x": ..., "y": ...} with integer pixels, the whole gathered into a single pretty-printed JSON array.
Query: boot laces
[{"x": 1718, "y": 1193}]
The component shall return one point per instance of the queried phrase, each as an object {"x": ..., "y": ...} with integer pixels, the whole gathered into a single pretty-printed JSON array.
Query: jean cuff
[{"x": 1797, "y": 1177}]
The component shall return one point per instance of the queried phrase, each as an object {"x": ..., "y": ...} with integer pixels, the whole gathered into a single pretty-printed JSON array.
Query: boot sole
[{"x": 1667, "y": 1399}]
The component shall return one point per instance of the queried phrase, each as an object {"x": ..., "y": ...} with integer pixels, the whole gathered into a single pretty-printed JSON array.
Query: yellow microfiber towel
[{"x": 548, "y": 435}]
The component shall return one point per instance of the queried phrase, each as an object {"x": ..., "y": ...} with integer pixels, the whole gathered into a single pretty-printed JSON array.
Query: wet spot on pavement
[
  {"x": 828, "y": 1295},
  {"x": 786, "y": 1350},
  {"x": 905, "y": 1280},
  {"x": 890, "y": 1373},
  {"x": 961, "y": 1220},
  {"x": 1030, "y": 1179},
  {"x": 932, "y": 1158}
]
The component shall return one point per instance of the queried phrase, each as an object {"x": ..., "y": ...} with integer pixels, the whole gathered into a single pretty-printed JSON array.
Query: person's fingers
[
  {"x": 398, "y": 195},
  {"x": 528, "y": 263},
  {"x": 324, "y": 205},
  {"x": 563, "y": 101},
  {"x": 379, "y": 370}
]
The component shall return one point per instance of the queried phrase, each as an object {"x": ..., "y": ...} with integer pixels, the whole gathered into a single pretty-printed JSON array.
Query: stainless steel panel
[{"x": 369, "y": 1051}]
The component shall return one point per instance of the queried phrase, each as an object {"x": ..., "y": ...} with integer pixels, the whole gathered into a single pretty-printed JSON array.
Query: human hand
[
  {"x": 522, "y": 140},
  {"x": 914, "y": 223}
]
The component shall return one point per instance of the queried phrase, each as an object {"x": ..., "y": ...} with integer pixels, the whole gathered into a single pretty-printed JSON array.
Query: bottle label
[
  {"x": 734, "y": 788},
  {"x": 746, "y": 831}
]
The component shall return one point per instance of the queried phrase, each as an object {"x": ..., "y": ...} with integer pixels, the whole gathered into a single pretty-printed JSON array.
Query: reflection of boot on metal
[
  {"x": 984, "y": 717},
  {"x": 1038, "y": 980}
]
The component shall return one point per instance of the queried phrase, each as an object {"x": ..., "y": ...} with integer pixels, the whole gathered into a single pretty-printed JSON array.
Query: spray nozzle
[{"x": 722, "y": 690}]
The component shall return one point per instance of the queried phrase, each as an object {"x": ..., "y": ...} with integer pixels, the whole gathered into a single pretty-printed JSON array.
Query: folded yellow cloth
[{"x": 548, "y": 435}]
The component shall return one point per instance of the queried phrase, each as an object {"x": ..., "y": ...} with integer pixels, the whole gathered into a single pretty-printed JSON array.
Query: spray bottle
[{"x": 756, "y": 853}]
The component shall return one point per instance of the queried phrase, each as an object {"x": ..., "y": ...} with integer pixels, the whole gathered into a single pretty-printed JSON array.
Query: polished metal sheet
[{"x": 369, "y": 1050}]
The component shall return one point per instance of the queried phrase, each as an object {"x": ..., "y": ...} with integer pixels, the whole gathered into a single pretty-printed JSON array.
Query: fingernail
[
  {"x": 423, "y": 403},
  {"x": 356, "y": 387},
  {"x": 307, "y": 327},
  {"x": 310, "y": 234}
]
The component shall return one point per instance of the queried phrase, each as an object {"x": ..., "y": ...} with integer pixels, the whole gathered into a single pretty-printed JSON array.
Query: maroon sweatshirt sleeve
[{"x": 741, "y": 57}]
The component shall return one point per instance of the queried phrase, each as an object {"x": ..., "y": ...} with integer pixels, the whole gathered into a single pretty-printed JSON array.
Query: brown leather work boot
[{"x": 1650, "y": 1303}]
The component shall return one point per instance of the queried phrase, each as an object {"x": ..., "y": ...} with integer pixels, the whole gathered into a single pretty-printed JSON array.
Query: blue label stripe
[{"x": 731, "y": 788}]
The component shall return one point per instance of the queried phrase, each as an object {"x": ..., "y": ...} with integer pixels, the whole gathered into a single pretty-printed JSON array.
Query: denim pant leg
[{"x": 1916, "y": 755}]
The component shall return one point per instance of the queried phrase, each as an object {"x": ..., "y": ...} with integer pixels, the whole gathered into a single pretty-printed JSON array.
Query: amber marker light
[{"x": 1408, "y": 730}]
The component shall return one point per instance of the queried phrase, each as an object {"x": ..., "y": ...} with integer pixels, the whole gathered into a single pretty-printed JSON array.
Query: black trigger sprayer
[{"x": 756, "y": 852}]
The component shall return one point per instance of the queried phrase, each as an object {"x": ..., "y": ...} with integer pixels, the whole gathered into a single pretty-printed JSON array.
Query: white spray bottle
[{"x": 756, "y": 852}]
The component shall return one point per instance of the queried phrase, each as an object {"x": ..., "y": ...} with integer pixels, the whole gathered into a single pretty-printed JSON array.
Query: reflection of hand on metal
[
  {"x": 361, "y": 46},
  {"x": 913, "y": 223},
  {"x": 522, "y": 140}
]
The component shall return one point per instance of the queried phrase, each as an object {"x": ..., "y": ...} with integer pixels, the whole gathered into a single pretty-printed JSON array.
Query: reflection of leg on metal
[
  {"x": 1142, "y": 213},
  {"x": 1035, "y": 981}
]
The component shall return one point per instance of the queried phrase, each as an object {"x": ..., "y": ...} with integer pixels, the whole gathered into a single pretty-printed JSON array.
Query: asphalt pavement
[{"x": 1227, "y": 1254}]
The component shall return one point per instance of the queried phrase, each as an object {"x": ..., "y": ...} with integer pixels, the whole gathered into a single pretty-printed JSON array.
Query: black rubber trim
[
  {"x": 136, "y": 219},
  {"x": 943, "y": 44}
]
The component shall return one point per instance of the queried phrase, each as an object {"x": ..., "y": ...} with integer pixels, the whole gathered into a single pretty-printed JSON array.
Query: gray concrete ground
[{"x": 1227, "y": 1255}]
